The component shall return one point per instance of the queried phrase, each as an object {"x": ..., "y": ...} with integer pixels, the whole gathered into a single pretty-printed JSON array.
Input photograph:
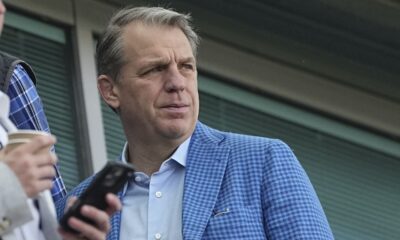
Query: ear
[{"x": 108, "y": 90}]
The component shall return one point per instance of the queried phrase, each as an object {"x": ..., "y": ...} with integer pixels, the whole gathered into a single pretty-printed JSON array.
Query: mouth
[{"x": 176, "y": 108}]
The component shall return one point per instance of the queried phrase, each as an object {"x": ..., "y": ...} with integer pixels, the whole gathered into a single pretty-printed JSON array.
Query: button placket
[{"x": 155, "y": 204}]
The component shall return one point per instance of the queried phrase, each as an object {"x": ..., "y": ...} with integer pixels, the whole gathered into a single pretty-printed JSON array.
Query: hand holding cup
[{"x": 28, "y": 155}]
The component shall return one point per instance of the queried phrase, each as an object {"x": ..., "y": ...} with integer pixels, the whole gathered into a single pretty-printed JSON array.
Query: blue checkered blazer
[{"x": 242, "y": 187}]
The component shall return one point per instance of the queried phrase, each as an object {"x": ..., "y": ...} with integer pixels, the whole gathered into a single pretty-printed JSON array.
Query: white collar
[{"x": 179, "y": 155}]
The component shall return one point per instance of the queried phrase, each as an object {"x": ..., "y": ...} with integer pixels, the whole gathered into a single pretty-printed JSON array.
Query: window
[
  {"x": 114, "y": 134},
  {"x": 46, "y": 48}
]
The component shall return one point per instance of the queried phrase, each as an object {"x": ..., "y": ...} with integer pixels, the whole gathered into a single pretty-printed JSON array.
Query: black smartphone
[{"x": 109, "y": 180}]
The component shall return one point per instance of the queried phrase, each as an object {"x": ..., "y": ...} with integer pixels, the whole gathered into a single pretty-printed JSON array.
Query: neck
[{"x": 148, "y": 158}]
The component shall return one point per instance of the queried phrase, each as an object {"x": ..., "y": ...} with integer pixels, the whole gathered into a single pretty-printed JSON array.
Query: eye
[
  {"x": 188, "y": 66},
  {"x": 156, "y": 69}
]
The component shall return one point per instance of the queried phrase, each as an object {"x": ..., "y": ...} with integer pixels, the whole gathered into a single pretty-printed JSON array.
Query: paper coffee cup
[
  {"x": 26, "y": 134},
  {"x": 20, "y": 137}
]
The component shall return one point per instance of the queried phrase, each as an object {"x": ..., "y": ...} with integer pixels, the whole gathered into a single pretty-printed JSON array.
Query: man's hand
[
  {"x": 101, "y": 219},
  {"x": 33, "y": 164}
]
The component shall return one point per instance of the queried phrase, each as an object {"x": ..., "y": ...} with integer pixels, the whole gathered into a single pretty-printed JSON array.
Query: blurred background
[{"x": 322, "y": 75}]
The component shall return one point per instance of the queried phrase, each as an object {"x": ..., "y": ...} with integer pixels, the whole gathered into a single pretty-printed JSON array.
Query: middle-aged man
[
  {"x": 191, "y": 181},
  {"x": 27, "y": 170}
]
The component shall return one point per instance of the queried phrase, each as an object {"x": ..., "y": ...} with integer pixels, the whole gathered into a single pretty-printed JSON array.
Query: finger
[
  {"x": 39, "y": 186},
  {"x": 67, "y": 235},
  {"x": 46, "y": 158},
  {"x": 114, "y": 204},
  {"x": 70, "y": 236},
  {"x": 87, "y": 230},
  {"x": 46, "y": 172},
  {"x": 38, "y": 143},
  {"x": 99, "y": 217}
]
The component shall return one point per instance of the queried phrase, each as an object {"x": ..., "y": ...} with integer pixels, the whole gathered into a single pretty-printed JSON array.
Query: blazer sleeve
[
  {"x": 290, "y": 205},
  {"x": 14, "y": 208}
]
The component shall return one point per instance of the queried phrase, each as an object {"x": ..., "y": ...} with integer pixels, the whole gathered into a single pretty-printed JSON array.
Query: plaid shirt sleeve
[{"x": 26, "y": 112}]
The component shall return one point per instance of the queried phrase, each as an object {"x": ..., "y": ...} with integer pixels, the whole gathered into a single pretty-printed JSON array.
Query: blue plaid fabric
[
  {"x": 26, "y": 112},
  {"x": 242, "y": 187}
]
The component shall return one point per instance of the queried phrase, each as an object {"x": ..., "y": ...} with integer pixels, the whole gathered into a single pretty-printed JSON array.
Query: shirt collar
[{"x": 178, "y": 156}]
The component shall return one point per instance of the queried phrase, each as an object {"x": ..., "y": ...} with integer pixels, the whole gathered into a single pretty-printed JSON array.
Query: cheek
[
  {"x": 195, "y": 96},
  {"x": 194, "y": 92},
  {"x": 146, "y": 97}
]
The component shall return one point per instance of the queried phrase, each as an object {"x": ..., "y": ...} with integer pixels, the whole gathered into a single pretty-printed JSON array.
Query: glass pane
[{"x": 51, "y": 63}]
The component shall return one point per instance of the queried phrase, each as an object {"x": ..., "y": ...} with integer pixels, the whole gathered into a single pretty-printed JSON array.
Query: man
[
  {"x": 191, "y": 181},
  {"x": 27, "y": 170}
]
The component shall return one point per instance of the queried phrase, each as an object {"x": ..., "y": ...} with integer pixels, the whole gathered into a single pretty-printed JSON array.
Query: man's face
[
  {"x": 157, "y": 89},
  {"x": 2, "y": 12}
]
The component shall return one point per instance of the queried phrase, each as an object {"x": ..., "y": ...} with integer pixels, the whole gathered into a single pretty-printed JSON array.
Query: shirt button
[
  {"x": 138, "y": 179},
  {"x": 158, "y": 195},
  {"x": 157, "y": 236}
]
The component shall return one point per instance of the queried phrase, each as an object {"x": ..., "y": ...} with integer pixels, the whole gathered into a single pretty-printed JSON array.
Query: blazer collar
[{"x": 206, "y": 163}]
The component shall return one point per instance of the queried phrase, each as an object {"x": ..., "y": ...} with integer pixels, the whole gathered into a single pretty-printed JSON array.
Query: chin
[
  {"x": 177, "y": 130},
  {"x": 175, "y": 133}
]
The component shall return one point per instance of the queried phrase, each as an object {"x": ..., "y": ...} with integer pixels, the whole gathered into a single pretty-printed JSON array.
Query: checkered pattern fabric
[
  {"x": 26, "y": 112},
  {"x": 243, "y": 187}
]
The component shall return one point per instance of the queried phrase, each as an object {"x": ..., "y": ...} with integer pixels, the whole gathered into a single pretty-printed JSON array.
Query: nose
[{"x": 175, "y": 81}]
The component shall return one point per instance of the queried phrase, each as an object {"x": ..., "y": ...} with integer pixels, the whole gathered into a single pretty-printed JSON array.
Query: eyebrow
[
  {"x": 154, "y": 61},
  {"x": 162, "y": 61},
  {"x": 188, "y": 59}
]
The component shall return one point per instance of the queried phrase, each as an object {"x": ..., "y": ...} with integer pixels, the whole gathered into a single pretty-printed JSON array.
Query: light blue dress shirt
[{"x": 152, "y": 206}]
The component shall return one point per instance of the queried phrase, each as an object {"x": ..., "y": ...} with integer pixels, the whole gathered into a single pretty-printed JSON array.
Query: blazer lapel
[
  {"x": 205, "y": 169},
  {"x": 115, "y": 226},
  {"x": 115, "y": 223}
]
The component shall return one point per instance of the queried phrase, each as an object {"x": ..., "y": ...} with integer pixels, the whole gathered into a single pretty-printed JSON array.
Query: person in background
[
  {"x": 26, "y": 110},
  {"x": 27, "y": 170},
  {"x": 191, "y": 181}
]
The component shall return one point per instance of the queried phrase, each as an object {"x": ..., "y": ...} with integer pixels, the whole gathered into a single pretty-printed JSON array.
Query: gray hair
[{"x": 109, "y": 52}]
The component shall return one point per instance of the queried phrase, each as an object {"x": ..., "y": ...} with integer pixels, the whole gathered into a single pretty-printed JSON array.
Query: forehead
[{"x": 138, "y": 38}]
